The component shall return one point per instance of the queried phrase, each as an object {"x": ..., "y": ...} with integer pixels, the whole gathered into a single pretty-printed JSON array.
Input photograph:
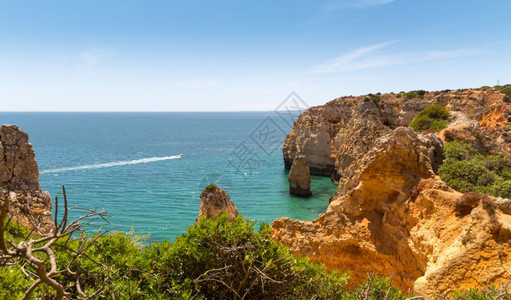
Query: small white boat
[{"x": 179, "y": 155}]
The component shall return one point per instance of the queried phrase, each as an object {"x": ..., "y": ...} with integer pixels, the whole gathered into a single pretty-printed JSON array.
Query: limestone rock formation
[
  {"x": 334, "y": 135},
  {"x": 214, "y": 201},
  {"x": 392, "y": 215},
  {"x": 19, "y": 180},
  {"x": 299, "y": 177},
  {"x": 18, "y": 167},
  {"x": 363, "y": 221}
]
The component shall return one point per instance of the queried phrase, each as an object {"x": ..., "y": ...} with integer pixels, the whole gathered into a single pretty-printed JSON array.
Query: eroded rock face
[
  {"x": 367, "y": 224},
  {"x": 18, "y": 167},
  {"x": 19, "y": 180},
  {"x": 214, "y": 201},
  {"x": 333, "y": 135},
  {"x": 464, "y": 251},
  {"x": 392, "y": 215},
  {"x": 299, "y": 177}
]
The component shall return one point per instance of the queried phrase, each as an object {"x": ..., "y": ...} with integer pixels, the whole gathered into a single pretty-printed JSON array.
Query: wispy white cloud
[{"x": 368, "y": 58}]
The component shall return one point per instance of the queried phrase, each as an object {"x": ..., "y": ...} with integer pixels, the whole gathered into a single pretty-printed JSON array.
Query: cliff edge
[{"x": 392, "y": 214}]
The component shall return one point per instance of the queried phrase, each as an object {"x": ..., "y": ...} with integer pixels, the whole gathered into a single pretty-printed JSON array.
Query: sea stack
[
  {"x": 214, "y": 202},
  {"x": 299, "y": 177}
]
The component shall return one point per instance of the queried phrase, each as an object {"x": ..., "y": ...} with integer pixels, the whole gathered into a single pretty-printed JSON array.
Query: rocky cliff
[
  {"x": 19, "y": 180},
  {"x": 334, "y": 135},
  {"x": 391, "y": 213}
]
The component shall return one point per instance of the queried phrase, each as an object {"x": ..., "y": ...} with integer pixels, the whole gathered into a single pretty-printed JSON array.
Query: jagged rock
[
  {"x": 19, "y": 180},
  {"x": 214, "y": 201},
  {"x": 392, "y": 215},
  {"x": 299, "y": 177},
  {"x": 394, "y": 166},
  {"x": 496, "y": 116},
  {"x": 357, "y": 137},
  {"x": 18, "y": 167}
]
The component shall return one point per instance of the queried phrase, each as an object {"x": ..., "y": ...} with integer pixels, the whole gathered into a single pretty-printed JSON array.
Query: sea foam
[{"x": 112, "y": 164}]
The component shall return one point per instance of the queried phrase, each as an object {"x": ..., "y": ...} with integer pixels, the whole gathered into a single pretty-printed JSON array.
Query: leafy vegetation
[
  {"x": 411, "y": 94},
  {"x": 216, "y": 258},
  {"x": 505, "y": 89},
  {"x": 467, "y": 170},
  {"x": 372, "y": 97},
  {"x": 433, "y": 117}
]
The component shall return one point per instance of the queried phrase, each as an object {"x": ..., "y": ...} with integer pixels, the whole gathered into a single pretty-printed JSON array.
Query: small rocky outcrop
[
  {"x": 214, "y": 202},
  {"x": 299, "y": 177},
  {"x": 19, "y": 180}
]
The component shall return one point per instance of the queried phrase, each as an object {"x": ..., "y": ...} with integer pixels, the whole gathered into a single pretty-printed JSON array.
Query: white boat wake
[{"x": 112, "y": 164}]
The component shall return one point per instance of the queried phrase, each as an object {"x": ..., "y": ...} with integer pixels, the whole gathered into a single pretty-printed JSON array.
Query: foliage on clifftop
[
  {"x": 504, "y": 89},
  {"x": 467, "y": 170},
  {"x": 433, "y": 117}
]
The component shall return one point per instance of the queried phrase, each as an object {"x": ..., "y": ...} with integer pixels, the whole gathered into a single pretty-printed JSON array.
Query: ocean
[{"x": 128, "y": 164}]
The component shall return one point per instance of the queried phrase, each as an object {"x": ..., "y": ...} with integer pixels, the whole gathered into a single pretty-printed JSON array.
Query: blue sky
[{"x": 242, "y": 55}]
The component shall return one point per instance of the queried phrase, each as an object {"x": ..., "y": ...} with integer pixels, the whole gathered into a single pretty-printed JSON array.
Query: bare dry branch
[{"x": 23, "y": 253}]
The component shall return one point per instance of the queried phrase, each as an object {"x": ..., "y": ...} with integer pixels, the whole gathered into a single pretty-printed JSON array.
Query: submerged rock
[
  {"x": 299, "y": 177},
  {"x": 214, "y": 201}
]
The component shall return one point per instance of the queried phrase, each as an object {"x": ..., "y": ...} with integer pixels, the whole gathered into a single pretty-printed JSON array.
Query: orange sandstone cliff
[{"x": 392, "y": 214}]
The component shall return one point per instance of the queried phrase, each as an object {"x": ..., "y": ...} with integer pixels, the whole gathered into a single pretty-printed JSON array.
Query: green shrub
[
  {"x": 210, "y": 261},
  {"x": 220, "y": 259},
  {"x": 503, "y": 188},
  {"x": 214, "y": 259},
  {"x": 13, "y": 283},
  {"x": 433, "y": 117},
  {"x": 458, "y": 150},
  {"x": 409, "y": 94},
  {"x": 467, "y": 170},
  {"x": 466, "y": 175},
  {"x": 211, "y": 187},
  {"x": 506, "y": 90},
  {"x": 372, "y": 97},
  {"x": 375, "y": 287}
]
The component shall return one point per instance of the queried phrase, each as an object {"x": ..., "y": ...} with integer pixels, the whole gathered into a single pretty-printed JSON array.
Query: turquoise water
[{"x": 126, "y": 163}]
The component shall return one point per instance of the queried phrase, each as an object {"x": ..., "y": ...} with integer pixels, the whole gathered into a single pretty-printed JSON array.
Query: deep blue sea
[{"x": 126, "y": 163}]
